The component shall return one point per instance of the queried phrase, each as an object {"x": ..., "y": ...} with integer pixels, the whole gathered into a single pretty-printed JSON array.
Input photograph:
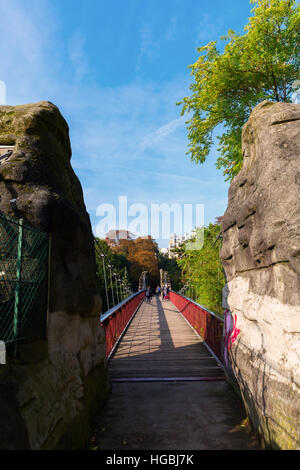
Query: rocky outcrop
[
  {"x": 261, "y": 259},
  {"x": 56, "y": 384}
]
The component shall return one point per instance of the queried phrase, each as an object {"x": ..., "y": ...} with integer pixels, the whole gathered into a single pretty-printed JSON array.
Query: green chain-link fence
[{"x": 23, "y": 280}]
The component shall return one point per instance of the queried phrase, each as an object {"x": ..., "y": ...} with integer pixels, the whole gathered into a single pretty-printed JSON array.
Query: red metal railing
[
  {"x": 206, "y": 323},
  {"x": 115, "y": 320}
]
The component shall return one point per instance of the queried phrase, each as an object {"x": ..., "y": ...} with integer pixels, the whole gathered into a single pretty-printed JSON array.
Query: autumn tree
[
  {"x": 143, "y": 257},
  {"x": 260, "y": 64},
  {"x": 140, "y": 254}
]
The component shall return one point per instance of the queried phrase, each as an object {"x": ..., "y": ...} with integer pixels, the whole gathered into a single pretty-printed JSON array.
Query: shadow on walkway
[{"x": 164, "y": 415}]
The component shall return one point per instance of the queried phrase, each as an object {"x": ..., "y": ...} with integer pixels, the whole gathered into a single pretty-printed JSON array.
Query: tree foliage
[
  {"x": 141, "y": 254},
  {"x": 202, "y": 270},
  {"x": 118, "y": 261},
  {"x": 260, "y": 64},
  {"x": 171, "y": 265}
]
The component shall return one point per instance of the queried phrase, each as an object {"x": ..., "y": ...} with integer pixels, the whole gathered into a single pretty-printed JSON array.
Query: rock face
[
  {"x": 261, "y": 258},
  {"x": 57, "y": 384}
]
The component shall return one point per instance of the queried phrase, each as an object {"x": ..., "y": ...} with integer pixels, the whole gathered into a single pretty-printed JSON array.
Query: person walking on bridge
[
  {"x": 165, "y": 295},
  {"x": 148, "y": 299},
  {"x": 150, "y": 294}
]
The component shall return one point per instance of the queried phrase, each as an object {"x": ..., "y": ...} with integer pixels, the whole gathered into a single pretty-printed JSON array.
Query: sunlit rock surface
[{"x": 261, "y": 258}]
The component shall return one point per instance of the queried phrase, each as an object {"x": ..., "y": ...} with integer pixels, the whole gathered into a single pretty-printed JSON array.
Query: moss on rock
[{"x": 57, "y": 395}]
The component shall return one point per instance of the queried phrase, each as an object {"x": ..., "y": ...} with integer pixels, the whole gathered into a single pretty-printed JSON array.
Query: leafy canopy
[
  {"x": 260, "y": 64},
  {"x": 202, "y": 270},
  {"x": 170, "y": 265},
  {"x": 140, "y": 254}
]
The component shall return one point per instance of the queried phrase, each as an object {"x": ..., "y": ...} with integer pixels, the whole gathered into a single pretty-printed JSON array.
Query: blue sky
[{"x": 116, "y": 69}]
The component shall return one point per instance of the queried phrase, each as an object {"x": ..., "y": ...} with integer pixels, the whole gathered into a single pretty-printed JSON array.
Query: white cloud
[
  {"x": 127, "y": 121},
  {"x": 149, "y": 46},
  {"x": 171, "y": 31},
  {"x": 28, "y": 58},
  {"x": 208, "y": 30},
  {"x": 127, "y": 139},
  {"x": 161, "y": 133},
  {"x": 77, "y": 55}
]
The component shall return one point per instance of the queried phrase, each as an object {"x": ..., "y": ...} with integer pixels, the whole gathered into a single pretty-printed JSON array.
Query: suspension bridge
[
  {"x": 167, "y": 363},
  {"x": 166, "y": 357},
  {"x": 169, "y": 387}
]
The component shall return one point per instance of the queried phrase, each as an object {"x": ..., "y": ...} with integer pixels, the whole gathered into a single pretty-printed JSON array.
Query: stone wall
[
  {"x": 50, "y": 390},
  {"x": 261, "y": 259}
]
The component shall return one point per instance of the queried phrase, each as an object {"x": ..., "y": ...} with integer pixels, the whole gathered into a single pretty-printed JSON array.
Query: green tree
[
  {"x": 260, "y": 64},
  {"x": 171, "y": 265},
  {"x": 119, "y": 264},
  {"x": 202, "y": 270}
]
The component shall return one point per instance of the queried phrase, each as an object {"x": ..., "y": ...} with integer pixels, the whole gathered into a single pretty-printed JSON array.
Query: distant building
[
  {"x": 174, "y": 242},
  {"x": 113, "y": 237}
]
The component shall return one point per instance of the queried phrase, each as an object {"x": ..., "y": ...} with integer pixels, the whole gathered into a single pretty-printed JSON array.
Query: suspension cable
[{"x": 122, "y": 286}]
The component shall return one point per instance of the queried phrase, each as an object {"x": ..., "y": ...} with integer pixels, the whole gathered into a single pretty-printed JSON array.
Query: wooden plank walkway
[
  {"x": 160, "y": 345},
  {"x": 148, "y": 409}
]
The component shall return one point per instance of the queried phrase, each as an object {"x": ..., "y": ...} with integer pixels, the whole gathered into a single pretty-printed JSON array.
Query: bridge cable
[
  {"x": 107, "y": 263},
  {"x": 114, "y": 272}
]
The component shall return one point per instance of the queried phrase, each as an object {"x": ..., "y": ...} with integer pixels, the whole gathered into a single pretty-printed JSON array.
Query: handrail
[
  {"x": 200, "y": 305},
  {"x": 117, "y": 319},
  {"x": 6, "y": 155},
  {"x": 112, "y": 310},
  {"x": 208, "y": 325}
]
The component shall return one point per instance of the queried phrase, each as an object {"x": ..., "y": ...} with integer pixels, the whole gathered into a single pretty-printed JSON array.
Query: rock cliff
[
  {"x": 54, "y": 388},
  {"x": 261, "y": 259}
]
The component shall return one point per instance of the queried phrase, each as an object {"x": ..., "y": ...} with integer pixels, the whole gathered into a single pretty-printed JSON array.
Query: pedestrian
[
  {"x": 148, "y": 294},
  {"x": 165, "y": 292}
]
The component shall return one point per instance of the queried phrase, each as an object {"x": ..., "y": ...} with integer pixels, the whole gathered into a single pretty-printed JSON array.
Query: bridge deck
[
  {"x": 160, "y": 344},
  {"x": 147, "y": 411}
]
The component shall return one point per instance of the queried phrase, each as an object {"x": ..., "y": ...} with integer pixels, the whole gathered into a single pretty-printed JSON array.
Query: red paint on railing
[
  {"x": 116, "y": 322},
  {"x": 209, "y": 326}
]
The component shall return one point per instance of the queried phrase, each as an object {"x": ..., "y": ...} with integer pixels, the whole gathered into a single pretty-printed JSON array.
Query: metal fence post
[
  {"x": 18, "y": 281},
  {"x": 48, "y": 284},
  {"x": 111, "y": 284}
]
